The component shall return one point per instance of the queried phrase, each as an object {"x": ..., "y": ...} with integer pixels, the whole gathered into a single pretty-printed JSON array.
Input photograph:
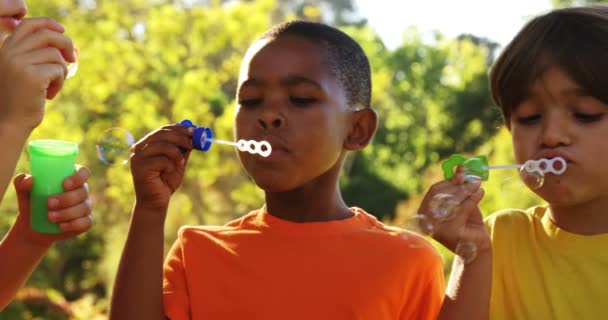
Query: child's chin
[
  {"x": 557, "y": 196},
  {"x": 269, "y": 185}
]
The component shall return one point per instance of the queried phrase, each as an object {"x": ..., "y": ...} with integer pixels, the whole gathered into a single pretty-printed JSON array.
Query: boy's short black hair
[
  {"x": 574, "y": 39},
  {"x": 346, "y": 58}
]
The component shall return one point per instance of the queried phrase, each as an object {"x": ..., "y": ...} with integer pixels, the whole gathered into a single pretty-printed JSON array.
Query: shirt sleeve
[{"x": 175, "y": 289}]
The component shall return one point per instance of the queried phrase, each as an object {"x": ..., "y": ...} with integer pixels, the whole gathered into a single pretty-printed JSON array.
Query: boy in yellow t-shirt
[{"x": 547, "y": 262}]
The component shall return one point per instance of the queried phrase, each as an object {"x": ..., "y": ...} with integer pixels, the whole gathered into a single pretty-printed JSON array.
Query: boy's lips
[
  {"x": 278, "y": 145},
  {"x": 550, "y": 154}
]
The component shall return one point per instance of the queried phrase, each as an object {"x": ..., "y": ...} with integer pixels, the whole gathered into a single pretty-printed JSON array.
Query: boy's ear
[{"x": 363, "y": 128}]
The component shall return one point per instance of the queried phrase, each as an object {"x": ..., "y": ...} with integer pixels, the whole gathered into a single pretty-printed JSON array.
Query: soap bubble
[
  {"x": 442, "y": 206},
  {"x": 467, "y": 250},
  {"x": 533, "y": 179},
  {"x": 113, "y": 146}
]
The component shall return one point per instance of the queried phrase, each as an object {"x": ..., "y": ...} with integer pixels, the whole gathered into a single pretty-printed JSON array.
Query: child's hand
[
  {"x": 158, "y": 163},
  {"x": 464, "y": 222},
  {"x": 71, "y": 209},
  {"x": 33, "y": 66}
]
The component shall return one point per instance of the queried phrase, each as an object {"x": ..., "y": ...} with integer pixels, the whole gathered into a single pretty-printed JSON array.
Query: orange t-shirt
[{"x": 263, "y": 267}]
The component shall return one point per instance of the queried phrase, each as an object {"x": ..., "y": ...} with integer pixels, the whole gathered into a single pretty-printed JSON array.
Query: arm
[
  {"x": 31, "y": 72},
  {"x": 13, "y": 137},
  {"x": 138, "y": 288},
  {"x": 157, "y": 166},
  {"x": 23, "y": 248},
  {"x": 468, "y": 293}
]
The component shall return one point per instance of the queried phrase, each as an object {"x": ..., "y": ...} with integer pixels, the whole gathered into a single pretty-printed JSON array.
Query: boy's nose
[
  {"x": 272, "y": 121},
  {"x": 555, "y": 134}
]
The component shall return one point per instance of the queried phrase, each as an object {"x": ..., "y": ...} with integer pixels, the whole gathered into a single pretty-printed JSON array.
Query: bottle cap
[{"x": 202, "y": 137}]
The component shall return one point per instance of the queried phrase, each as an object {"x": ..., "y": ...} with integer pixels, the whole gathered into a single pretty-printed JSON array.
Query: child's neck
[
  {"x": 589, "y": 218},
  {"x": 308, "y": 205}
]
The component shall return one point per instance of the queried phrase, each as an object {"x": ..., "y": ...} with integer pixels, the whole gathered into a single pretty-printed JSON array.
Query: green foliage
[
  {"x": 567, "y": 3},
  {"x": 334, "y": 12}
]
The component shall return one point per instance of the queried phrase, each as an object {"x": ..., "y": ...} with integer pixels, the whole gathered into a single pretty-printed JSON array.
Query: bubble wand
[
  {"x": 477, "y": 166},
  {"x": 203, "y": 138}
]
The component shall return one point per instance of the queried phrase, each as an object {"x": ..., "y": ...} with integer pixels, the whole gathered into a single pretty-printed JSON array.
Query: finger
[
  {"x": 176, "y": 134},
  {"x": 156, "y": 164},
  {"x": 470, "y": 205},
  {"x": 477, "y": 196},
  {"x": 79, "y": 210},
  {"x": 176, "y": 129},
  {"x": 440, "y": 187},
  {"x": 447, "y": 191},
  {"x": 45, "y": 56},
  {"x": 54, "y": 76},
  {"x": 23, "y": 185},
  {"x": 53, "y": 89},
  {"x": 459, "y": 175},
  {"x": 68, "y": 199},
  {"x": 28, "y": 26},
  {"x": 23, "y": 182},
  {"x": 163, "y": 148},
  {"x": 78, "y": 179},
  {"x": 77, "y": 225}
]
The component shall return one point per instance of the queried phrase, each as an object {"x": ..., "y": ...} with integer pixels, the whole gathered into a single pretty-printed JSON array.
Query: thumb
[{"x": 23, "y": 185}]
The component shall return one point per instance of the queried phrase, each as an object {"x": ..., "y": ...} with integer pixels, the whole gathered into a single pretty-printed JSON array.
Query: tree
[
  {"x": 567, "y": 3},
  {"x": 333, "y": 12}
]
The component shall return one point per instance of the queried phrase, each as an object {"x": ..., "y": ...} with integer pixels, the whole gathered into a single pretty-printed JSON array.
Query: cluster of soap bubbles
[{"x": 262, "y": 148}]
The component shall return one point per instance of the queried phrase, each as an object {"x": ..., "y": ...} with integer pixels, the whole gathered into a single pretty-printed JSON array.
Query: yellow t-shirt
[
  {"x": 263, "y": 267},
  {"x": 543, "y": 272}
]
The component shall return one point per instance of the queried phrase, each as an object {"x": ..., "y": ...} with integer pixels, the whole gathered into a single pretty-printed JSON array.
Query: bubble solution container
[{"x": 51, "y": 162}]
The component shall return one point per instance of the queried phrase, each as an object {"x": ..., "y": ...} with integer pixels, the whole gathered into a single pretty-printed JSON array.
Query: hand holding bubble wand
[
  {"x": 114, "y": 145},
  {"x": 442, "y": 206}
]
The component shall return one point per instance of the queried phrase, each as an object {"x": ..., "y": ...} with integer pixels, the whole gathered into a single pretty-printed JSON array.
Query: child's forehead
[
  {"x": 285, "y": 45},
  {"x": 286, "y": 54}
]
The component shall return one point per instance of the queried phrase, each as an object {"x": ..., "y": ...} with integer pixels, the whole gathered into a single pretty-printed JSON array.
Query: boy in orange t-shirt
[{"x": 305, "y": 88}]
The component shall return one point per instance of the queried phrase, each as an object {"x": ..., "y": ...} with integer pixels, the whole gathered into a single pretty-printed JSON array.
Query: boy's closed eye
[
  {"x": 588, "y": 117},
  {"x": 302, "y": 101},
  {"x": 528, "y": 119},
  {"x": 587, "y": 109},
  {"x": 250, "y": 102}
]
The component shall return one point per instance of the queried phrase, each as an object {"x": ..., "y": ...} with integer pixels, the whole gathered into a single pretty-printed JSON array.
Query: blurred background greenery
[{"x": 147, "y": 63}]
